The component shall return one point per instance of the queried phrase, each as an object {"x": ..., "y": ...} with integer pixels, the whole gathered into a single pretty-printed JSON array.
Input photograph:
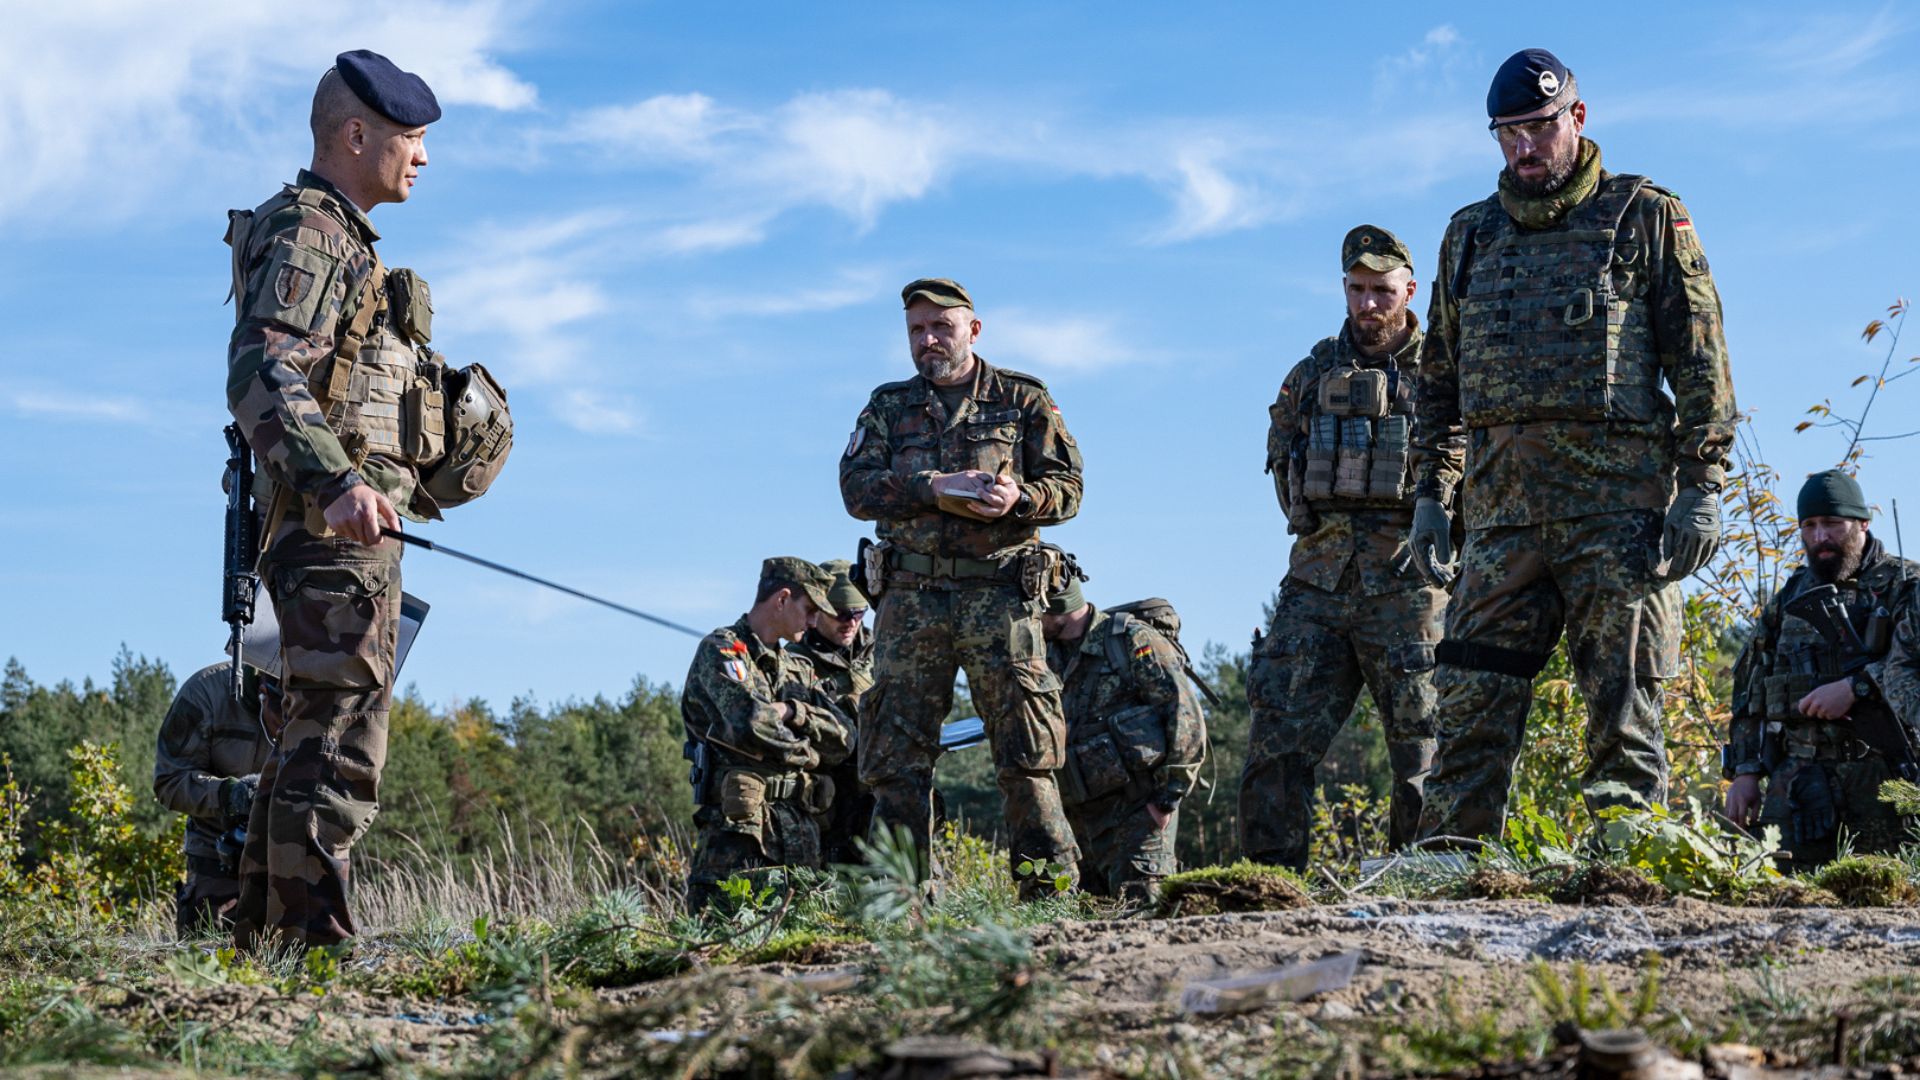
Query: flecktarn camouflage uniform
[
  {"x": 207, "y": 742},
  {"x": 1540, "y": 400},
  {"x": 953, "y": 597},
  {"x": 1826, "y": 779},
  {"x": 1136, "y": 736},
  {"x": 762, "y": 795},
  {"x": 845, "y": 674},
  {"x": 1351, "y": 611}
]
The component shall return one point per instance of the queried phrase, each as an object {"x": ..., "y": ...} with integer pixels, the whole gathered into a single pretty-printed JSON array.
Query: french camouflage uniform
[
  {"x": 1540, "y": 402},
  {"x": 759, "y": 792},
  {"x": 953, "y": 596},
  {"x": 328, "y": 383},
  {"x": 845, "y": 674},
  {"x": 1136, "y": 737},
  {"x": 1820, "y": 777},
  {"x": 208, "y": 744},
  {"x": 1351, "y": 610}
]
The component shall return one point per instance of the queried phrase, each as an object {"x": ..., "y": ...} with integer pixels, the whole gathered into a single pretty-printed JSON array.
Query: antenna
[{"x": 1899, "y": 546}]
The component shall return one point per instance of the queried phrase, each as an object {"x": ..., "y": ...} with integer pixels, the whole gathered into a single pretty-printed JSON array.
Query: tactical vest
[
  {"x": 1544, "y": 333},
  {"x": 1354, "y": 452},
  {"x": 382, "y": 390},
  {"x": 1803, "y": 660}
]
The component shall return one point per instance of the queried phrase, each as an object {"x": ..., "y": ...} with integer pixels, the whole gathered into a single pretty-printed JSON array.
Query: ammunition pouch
[
  {"x": 870, "y": 563},
  {"x": 1782, "y": 694},
  {"x": 1497, "y": 659},
  {"x": 410, "y": 305},
  {"x": 1354, "y": 392},
  {"x": 1357, "y": 443},
  {"x": 478, "y": 434},
  {"x": 1113, "y": 754},
  {"x": 1323, "y": 444},
  {"x": 1046, "y": 570}
]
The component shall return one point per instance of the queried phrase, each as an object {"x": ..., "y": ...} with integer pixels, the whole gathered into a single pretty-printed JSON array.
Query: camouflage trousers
[
  {"x": 849, "y": 817},
  {"x": 338, "y": 604},
  {"x": 1851, "y": 792},
  {"x": 923, "y": 637},
  {"x": 781, "y": 833},
  {"x": 1519, "y": 587},
  {"x": 202, "y": 901},
  {"x": 1302, "y": 682},
  {"x": 1122, "y": 852}
]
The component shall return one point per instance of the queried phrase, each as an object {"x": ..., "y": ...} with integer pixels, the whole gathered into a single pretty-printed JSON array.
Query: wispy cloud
[
  {"x": 69, "y": 405},
  {"x": 519, "y": 292},
  {"x": 1054, "y": 343},
  {"x": 162, "y": 94}
]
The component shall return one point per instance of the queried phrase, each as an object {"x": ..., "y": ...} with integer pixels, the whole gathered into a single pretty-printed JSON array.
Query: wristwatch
[{"x": 1862, "y": 687}]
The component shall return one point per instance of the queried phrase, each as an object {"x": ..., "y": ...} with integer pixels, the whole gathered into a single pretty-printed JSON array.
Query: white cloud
[
  {"x": 67, "y": 405},
  {"x": 852, "y": 287},
  {"x": 518, "y": 293},
  {"x": 1047, "y": 344},
  {"x": 1207, "y": 201},
  {"x": 667, "y": 126},
  {"x": 599, "y": 413},
  {"x": 115, "y": 101}
]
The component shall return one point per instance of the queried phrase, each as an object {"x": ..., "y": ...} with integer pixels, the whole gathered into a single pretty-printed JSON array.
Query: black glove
[
  {"x": 236, "y": 798},
  {"x": 1810, "y": 804},
  {"x": 1692, "y": 532},
  {"x": 1431, "y": 539}
]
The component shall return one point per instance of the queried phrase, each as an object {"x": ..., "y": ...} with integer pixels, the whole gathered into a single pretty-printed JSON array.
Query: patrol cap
[
  {"x": 400, "y": 96},
  {"x": 1067, "y": 600},
  {"x": 1832, "y": 494},
  {"x": 1530, "y": 79},
  {"x": 800, "y": 574},
  {"x": 1375, "y": 248},
  {"x": 943, "y": 291},
  {"x": 848, "y": 600}
]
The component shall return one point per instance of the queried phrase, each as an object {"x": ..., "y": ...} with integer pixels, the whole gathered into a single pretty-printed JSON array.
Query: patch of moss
[
  {"x": 799, "y": 947},
  {"x": 1604, "y": 883},
  {"x": 1788, "y": 893},
  {"x": 1868, "y": 881},
  {"x": 1242, "y": 886},
  {"x": 1492, "y": 883}
]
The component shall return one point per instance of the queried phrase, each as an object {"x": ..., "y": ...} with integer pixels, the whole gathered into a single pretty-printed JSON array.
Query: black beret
[
  {"x": 1528, "y": 80},
  {"x": 1832, "y": 494},
  {"x": 400, "y": 96}
]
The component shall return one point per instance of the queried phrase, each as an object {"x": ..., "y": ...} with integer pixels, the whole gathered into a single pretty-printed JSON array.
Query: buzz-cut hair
[
  {"x": 769, "y": 586},
  {"x": 335, "y": 103}
]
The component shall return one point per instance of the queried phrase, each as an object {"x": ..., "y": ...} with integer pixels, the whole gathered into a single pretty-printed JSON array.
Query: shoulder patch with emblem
[
  {"x": 855, "y": 440},
  {"x": 734, "y": 669}
]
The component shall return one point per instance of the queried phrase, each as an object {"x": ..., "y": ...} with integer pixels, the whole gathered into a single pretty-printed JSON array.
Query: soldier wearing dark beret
[
  {"x": 761, "y": 730},
  {"x": 331, "y": 384},
  {"x": 1574, "y": 396},
  {"x": 1351, "y": 611},
  {"x": 1819, "y": 724}
]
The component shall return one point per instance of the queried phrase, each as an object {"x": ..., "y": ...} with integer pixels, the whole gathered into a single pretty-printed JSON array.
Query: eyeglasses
[{"x": 1511, "y": 131}]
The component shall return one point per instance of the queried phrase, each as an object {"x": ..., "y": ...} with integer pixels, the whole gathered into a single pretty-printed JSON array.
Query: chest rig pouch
[
  {"x": 393, "y": 403},
  {"x": 1355, "y": 450},
  {"x": 1546, "y": 333}
]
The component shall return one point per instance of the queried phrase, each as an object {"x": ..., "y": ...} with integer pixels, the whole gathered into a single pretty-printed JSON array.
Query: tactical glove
[
  {"x": 236, "y": 798},
  {"x": 1692, "y": 532},
  {"x": 1432, "y": 541}
]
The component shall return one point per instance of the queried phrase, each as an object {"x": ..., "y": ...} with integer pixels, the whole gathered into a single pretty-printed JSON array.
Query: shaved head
[{"x": 334, "y": 103}]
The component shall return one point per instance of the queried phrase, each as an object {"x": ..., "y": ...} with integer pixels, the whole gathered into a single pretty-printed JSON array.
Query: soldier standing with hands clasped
[
  {"x": 960, "y": 466},
  {"x": 1562, "y": 303}
]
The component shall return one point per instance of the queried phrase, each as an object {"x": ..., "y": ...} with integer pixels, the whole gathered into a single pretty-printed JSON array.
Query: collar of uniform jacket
[
  {"x": 352, "y": 214},
  {"x": 987, "y": 386},
  {"x": 757, "y": 650}
]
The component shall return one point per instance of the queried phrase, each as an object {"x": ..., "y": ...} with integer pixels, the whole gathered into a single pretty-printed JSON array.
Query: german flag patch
[{"x": 1141, "y": 652}]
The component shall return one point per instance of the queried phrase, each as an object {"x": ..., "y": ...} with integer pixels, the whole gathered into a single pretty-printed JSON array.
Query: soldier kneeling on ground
[
  {"x": 207, "y": 766},
  {"x": 1826, "y": 694},
  {"x": 760, "y": 727},
  {"x": 1135, "y": 737}
]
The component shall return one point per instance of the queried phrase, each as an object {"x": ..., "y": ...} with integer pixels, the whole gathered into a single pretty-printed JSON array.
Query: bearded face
[
  {"x": 941, "y": 340},
  {"x": 1559, "y": 158},
  {"x": 1377, "y": 307},
  {"x": 1834, "y": 546}
]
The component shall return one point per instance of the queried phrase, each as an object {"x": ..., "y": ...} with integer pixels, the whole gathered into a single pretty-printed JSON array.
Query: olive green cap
[
  {"x": 1833, "y": 494},
  {"x": 1068, "y": 600},
  {"x": 800, "y": 574},
  {"x": 1374, "y": 248},
  {"x": 847, "y": 598},
  {"x": 943, "y": 291}
]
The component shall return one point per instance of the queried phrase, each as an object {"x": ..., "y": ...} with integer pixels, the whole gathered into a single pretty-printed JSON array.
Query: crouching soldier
[
  {"x": 1826, "y": 694},
  {"x": 207, "y": 766},
  {"x": 840, "y": 648},
  {"x": 1135, "y": 737},
  {"x": 759, "y": 729}
]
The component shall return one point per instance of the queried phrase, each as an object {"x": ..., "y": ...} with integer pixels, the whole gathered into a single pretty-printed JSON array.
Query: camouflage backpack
[{"x": 1159, "y": 614}]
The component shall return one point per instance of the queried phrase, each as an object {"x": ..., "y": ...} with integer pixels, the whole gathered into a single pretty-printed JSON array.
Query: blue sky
[{"x": 677, "y": 235}]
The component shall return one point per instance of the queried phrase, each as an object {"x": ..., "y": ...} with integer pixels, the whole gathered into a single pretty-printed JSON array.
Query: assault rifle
[
  {"x": 1873, "y": 722},
  {"x": 240, "y": 581}
]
